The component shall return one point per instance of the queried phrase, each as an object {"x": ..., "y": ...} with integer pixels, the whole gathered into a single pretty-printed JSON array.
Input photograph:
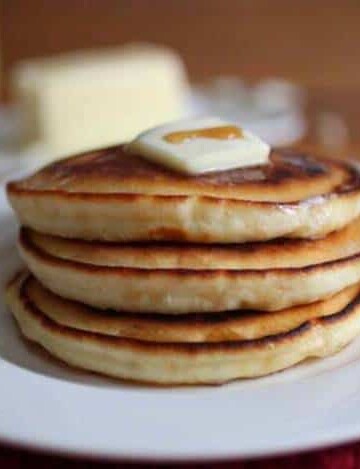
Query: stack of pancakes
[{"x": 138, "y": 272}]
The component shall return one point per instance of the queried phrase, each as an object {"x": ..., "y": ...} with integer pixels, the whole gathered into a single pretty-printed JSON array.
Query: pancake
[
  {"x": 181, "y": 363},
  {"x": 182, "y": 291},
  {"x": 272, "y": 254},
  {"x": 225, "y": 326},
  {"x": 112, "y": 195}
]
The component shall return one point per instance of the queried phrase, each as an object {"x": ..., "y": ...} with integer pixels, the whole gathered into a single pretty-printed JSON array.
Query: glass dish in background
[{"x": 272, "y": 109}]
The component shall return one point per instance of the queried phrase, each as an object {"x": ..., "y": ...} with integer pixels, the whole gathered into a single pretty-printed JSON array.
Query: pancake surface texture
[
  {"x": 112, "y": 195},
  {"x": 225, "y": 326},
  {"x": 180, "y": 363},
  {"x": 274, "y": 254},
  {"x": 64, "y": 268}
]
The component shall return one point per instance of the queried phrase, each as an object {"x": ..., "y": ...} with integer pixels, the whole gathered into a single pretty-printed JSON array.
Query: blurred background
[{"x": 288, "y": 70}]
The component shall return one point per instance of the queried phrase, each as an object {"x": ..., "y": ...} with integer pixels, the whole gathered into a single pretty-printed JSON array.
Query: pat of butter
[{"x": 201, "y": 145}]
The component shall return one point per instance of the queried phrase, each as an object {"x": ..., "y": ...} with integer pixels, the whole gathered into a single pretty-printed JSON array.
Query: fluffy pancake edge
[{"x": 211, "y": 363}]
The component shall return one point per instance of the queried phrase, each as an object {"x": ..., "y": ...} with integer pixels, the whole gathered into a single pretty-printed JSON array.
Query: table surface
[{"x": 344, "y": 457}]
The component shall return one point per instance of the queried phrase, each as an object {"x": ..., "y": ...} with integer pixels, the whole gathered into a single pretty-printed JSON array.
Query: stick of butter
[
  {"x": 78, "y": 101},
  {"x": 201, "y": 145}
]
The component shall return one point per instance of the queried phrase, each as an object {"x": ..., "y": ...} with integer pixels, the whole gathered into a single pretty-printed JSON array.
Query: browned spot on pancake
[
  {"x": 162, "y": 233},
  {"x": 222, "y": 335},
  {"x": 173, "y": 234},
  {"x": 18, "y": 189},
  {"x": 115, "y": 162},
  {"x": 345, "y": 312}
]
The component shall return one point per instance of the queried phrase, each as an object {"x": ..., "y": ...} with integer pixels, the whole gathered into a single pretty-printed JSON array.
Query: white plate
[{"x": 46, "y": 405}]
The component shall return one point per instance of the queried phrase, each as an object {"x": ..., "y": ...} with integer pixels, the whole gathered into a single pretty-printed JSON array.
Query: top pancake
[
  {"x": 288, "y": 177},
  {"x": 112, "y": 195}
]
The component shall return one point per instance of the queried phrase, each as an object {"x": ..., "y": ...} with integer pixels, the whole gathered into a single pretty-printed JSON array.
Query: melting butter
[
  {"x": 211, "y": 144},
  {"x": 225, "y": 132}
]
